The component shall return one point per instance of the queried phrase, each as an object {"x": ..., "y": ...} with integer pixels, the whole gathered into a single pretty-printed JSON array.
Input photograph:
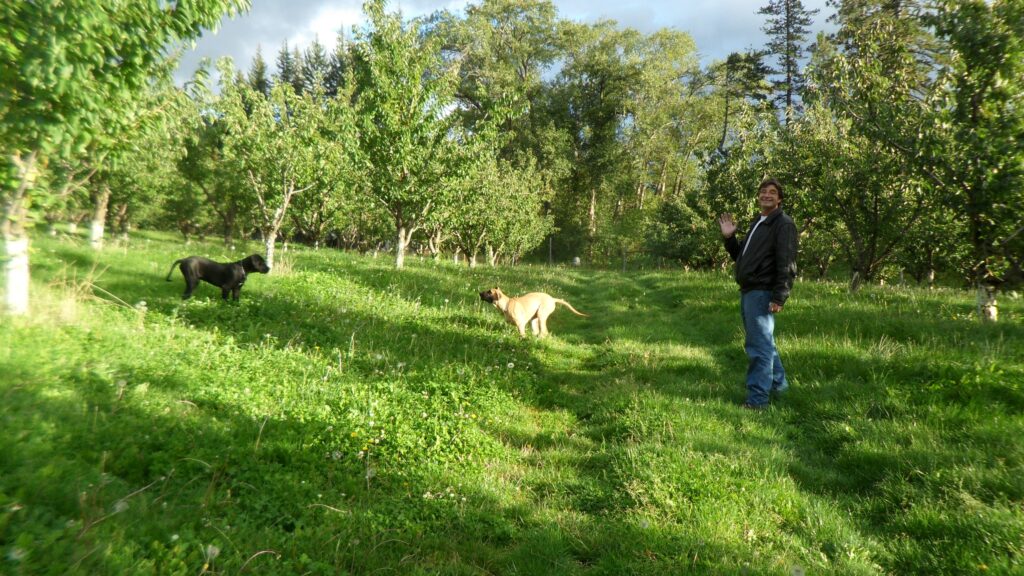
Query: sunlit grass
[{"x": 348, "y": 418}]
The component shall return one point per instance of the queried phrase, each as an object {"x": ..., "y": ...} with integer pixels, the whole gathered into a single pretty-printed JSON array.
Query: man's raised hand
[{"x": 727, "y": 224}]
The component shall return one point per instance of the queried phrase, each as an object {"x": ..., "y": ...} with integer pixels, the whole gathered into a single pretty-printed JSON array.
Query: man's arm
[{"x": 785, "y": 263}]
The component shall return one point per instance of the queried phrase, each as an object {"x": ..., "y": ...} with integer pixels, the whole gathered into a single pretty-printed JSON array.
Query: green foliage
[
  {"x": 979, "y": 125},
  {"x": 685, "y": 231},
  {"x": 405, "y": 133},
  {"x": 70, "y": 70}
]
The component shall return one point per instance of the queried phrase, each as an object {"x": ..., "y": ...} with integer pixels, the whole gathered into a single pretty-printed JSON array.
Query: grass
[{"x": 346, "y": 418}]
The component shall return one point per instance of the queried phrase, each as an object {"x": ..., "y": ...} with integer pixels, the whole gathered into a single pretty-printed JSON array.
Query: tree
[
  {"x": 867, "y": 198},
  {"x": 59, "y": 86},
  {"x": 276, "y": 144},
  {"x": 594, "y": 95},
  {"x": 316, "y": 67},
  {"x": 403, "y": 92},
  {"x": 339, "y": 180},
  {"x": 258, "y": 73},
  {"x": 211, "y": 183},
  {"x": 130, "y": 179},
  {"x": 289, "y": 68},
  {"x": 339, "y": 67},
  {"x": 979, "y": 128},
  {"x": 743, "y": 81},
  {"x": 873, "y": 93},
  {"x": 787, "y": 28}
]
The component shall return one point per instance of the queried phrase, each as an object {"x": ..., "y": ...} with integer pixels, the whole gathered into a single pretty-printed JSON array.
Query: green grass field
[{"x": 347, "y": 418}]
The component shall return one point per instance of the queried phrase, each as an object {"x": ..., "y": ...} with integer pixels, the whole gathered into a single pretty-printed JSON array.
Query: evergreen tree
[
  {"x": 787, "y": 28},
  {"x": 258, "y": 73},
  {"x": 338, "y": 65},
  {"x": 744, "y": 76},
  {"x": 315, "y": 65},
  {"x": 298, "y": 80},
  {"x": 287, "y": 68}
]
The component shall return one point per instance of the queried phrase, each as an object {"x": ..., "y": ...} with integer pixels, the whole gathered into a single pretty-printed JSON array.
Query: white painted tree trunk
[
  {"x": 16, "y": 276},
  {"x": 987, "y": 307},
  {"x": 269, "y": 246},
  {"x": 99, "y": 216},
  {"x": 13, "y": 219},
  {"x": 400, "y": 248},
  {"x": 96, "y": 235}
]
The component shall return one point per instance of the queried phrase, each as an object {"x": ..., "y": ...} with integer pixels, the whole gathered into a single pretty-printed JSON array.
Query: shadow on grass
[{"x": 159, "y": 478}]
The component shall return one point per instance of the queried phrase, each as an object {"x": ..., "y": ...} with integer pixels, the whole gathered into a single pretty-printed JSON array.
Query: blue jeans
[{"x": 764, "y": 372}]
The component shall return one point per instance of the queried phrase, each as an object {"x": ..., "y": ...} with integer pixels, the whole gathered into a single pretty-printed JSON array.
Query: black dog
[{"x": 229, "y": 277}]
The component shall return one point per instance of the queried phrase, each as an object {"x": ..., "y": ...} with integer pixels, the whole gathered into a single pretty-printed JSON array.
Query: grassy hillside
[{"x": 346, "y": 418}]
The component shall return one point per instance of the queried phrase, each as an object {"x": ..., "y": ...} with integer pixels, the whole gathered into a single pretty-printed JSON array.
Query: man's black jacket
[{"x": 770, "y": 261}]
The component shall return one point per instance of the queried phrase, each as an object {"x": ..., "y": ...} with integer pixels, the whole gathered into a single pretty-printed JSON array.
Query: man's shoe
[{"x": 749, "y": 406}]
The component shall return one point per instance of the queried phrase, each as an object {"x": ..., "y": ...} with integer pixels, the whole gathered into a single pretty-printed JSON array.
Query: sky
[{"x": 718, "y": 27}]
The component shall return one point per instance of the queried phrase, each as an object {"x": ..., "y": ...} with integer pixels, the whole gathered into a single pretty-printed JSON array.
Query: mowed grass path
[{"x": 347, "y": 418}]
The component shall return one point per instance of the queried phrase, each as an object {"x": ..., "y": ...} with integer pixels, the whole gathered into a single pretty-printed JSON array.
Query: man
[{"x": 765, "y": 269}]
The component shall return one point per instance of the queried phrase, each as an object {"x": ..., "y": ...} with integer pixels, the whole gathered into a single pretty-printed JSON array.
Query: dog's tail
[
  {"x": 569, "y": 306},
  {"x": 171, "y": 271}
]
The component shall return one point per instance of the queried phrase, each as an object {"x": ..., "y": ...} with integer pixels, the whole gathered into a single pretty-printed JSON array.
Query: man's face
[{"x": 768, "y": 198}]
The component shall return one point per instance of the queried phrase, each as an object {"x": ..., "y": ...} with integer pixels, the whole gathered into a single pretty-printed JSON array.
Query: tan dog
[{"x": 533, "y": 308}]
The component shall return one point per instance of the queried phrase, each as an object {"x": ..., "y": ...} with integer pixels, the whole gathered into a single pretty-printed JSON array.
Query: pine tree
[
  {"x": 745, "y": 78},
  {"x": 315, "y": 66},
  {"x": 298, "y": 81},
  {"x": 258, "y": 73},
  {"x": 287, "y": 71},
  {"x": 338, "y": 66},
  {"x": 787, "y": 28}
]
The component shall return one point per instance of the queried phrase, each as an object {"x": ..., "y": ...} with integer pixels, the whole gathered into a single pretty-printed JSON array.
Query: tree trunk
[
  {"x": 592, "y": 214},
  {"x": 121, "y": 220},
  {"x": 269, "y": 239},
  {"x": 403, "y": 239},
  {"x": 855, "y": 282},
  {"x": 987, "y": 308},
  {"x": 15, "y": 237},
  {"x": 16, "y": 272},
  {"x": 99, "y": 216},
  {"x": 591, "y": 224},
  {"x": 434, "y": 244}
]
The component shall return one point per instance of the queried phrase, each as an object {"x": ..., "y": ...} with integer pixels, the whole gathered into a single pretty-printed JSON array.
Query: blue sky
[{"x": 717, "y": 26}]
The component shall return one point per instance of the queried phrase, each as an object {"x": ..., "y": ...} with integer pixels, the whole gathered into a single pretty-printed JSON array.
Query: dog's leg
[
  {"x": 190, "y": 284},
  {"x": 224, "y": 293},
  {"x": 542, "y": 319},
  {"x": 536, "y": 326},
  {"x": 234, "y": 293},
  {"x": 522, "y": 328}
]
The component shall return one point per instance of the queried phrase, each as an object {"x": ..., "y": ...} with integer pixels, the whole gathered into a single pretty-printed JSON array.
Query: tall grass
[{"x": 347, "y": 418}]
